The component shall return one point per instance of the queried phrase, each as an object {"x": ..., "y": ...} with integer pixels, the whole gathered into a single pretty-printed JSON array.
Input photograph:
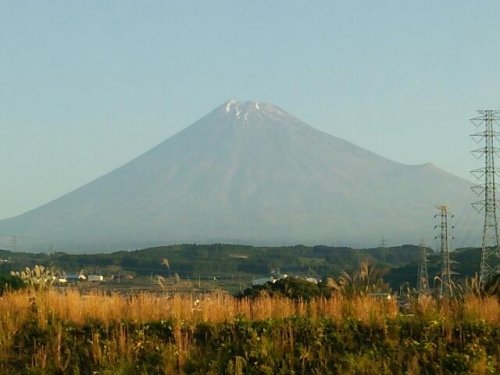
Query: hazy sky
[{"x": 85, "y": 86}]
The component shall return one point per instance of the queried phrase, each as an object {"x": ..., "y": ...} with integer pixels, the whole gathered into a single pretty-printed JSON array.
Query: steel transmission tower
[
  {"x": 445, "y": 288},
  {"x": 487, "y": 190},
  {"x": 423, "y": 275}
]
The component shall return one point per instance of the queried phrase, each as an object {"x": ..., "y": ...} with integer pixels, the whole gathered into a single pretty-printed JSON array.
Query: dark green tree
[{"x": 9, "y": 282}]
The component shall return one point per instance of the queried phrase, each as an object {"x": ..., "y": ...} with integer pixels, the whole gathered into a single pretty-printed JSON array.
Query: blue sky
[{"x": 85, "y": 86}]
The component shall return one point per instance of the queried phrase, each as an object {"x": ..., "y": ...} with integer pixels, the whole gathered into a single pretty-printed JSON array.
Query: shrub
[
  {"x": 292, "y": 287},
  {"x": 9, "y": 282}
]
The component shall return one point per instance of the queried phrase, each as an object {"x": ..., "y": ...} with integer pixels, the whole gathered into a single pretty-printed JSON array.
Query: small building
[
  {"x": 263, "y": 281},
  {"x": 275, "y": 276},
  {"x": 312, "y": 280},
  {"x": 75, "y": 277},
  {"x": 96, "y": 278}
]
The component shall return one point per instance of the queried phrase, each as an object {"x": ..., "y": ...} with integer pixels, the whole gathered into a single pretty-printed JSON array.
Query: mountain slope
[{"x": 248, "y": 173}]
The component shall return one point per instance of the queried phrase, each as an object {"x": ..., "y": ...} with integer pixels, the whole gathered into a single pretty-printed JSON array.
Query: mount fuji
[{"x": 251, "y": 173}]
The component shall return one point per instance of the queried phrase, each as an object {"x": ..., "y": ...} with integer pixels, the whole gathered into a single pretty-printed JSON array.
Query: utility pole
[
  {"x": 382, "y": 246},
  {"x": 487, "y": 190},
  {"x": 445, "y": 288},
  {"x": 423, "y": 275}
]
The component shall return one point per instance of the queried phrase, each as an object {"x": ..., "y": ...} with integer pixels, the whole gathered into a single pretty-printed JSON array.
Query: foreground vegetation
[
  {"x": 54, "y": 332},
  {"x": 351, "y": 324}
]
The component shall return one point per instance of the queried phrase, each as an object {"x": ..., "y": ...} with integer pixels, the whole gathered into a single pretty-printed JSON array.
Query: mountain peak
[{"x": 248, "y": 172}]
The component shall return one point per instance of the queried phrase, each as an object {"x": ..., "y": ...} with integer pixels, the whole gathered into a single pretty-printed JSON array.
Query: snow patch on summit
[
  {"x": 245, "y": 112},
  {"x": 229, "y": 104}
]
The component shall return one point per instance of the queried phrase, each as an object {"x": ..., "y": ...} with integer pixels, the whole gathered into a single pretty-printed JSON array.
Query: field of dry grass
[{"x": 53, "y": 332}]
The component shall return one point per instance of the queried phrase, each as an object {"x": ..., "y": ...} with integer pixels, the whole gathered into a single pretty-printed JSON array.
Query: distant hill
[
  {"x": 191, "y": 261},
  {"x": 250, "y": 173}
]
